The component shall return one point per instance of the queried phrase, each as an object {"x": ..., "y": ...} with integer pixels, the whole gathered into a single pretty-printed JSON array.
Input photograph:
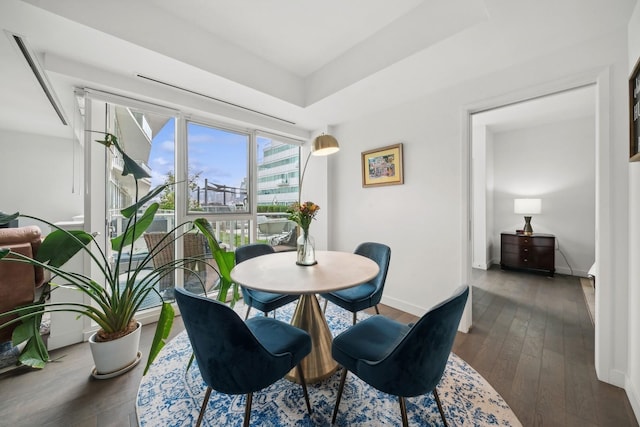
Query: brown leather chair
[{"x": 19, "y": 282}]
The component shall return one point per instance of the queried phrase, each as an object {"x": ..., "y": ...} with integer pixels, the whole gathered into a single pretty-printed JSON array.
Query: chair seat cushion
[
  {"x": 371, "y": 340},
  {"x": 266, "y": 301},
  {"x": 353, "y": 299},
  {"x": 280, "y": 338}
]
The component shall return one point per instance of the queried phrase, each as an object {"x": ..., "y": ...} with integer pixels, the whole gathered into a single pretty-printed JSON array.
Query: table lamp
[{"x": 527, "y": 207}]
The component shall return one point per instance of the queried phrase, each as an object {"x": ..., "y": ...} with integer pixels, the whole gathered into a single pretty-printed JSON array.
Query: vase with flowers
[{"x": 302, "y": 214}]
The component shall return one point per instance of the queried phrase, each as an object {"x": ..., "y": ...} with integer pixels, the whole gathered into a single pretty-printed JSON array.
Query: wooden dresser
[{"x": 535, "y": 252}]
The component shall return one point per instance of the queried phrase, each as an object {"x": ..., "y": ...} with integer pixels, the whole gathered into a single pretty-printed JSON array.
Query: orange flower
[{"x": 302, "y": 214}]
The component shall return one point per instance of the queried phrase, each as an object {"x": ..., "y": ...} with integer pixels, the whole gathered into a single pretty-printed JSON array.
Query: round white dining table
[{"x": 279, "y": 273}]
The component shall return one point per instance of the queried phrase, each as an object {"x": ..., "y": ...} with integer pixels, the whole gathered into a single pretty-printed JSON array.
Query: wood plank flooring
[{"x": 532, "y": 340}]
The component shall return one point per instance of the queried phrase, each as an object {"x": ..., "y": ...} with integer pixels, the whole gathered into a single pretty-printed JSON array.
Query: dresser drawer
[{"x": 535, "y": 252}]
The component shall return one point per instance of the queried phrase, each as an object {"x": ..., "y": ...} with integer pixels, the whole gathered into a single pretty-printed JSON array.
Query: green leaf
[
  {"x": 60, "y": 246},
  {"x": 6, "y": 218},
  {"x": 225, "y": 260},
  {"x": 163, "y": 328},
  {"x": 31, "y": 356},
  {"x": 35, "y": 352},
  {"x": 130, "y": 210},
  {"x": 132, "y": 167},
  {"x": 142, "y": 223},
  {"x": 193, "y": 356}
]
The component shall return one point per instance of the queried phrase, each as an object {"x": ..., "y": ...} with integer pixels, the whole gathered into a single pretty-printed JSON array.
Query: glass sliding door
[{"x": 149, "y": 139}]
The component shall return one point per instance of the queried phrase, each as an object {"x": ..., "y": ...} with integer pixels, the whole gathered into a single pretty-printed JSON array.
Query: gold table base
[{"x": 319, "y": 364}]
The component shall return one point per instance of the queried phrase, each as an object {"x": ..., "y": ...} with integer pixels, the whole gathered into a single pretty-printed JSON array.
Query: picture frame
[
  {"x": 634, "y": 113},
  {"x": 383, "y": 166}
]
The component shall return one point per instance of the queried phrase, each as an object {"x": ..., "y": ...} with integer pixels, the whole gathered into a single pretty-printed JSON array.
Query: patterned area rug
[{"x": 169, "y": 395}]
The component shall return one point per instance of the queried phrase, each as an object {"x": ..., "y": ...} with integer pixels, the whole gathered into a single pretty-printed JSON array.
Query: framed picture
[
  {"x": 382, "y": 166},
  {"x": 634, "y": 113}
]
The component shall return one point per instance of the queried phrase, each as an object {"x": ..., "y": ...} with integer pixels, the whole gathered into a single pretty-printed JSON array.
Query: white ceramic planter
[{"x": 115, "y": 357}]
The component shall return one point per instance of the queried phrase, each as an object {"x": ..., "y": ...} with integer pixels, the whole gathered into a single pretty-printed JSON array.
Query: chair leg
[
  {"x": 303, "y": 383},
  {"x": 325, "y": 305},
  {"x": 204, "y": 406},
  {"x": 435, "y": 394},
  {"x": 355, "y": 317},
  {"x": 340, "y": 389},
  {"x": 377, "y": 311},
  {"x": 403, "y": 412},
  {"x": 247, "y": 410},
  {"x": 246, "y": 316}
]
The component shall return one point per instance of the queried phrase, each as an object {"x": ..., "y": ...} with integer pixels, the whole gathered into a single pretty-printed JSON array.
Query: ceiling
[
  {"x": 313, "y": 64},
  {"x": 566, "y": 105}
]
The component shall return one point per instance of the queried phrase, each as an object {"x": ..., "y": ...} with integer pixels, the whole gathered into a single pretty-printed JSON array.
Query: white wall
[
  {"x": 556, "y": 163},
  {"x": 480, "y": 256},
  {"x": 423, "y": 221},
  {"x": 633, "y": 377},
  {"x": 40, "y": 176}
]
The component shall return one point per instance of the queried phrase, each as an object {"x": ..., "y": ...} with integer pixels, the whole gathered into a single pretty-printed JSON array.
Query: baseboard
[
  {"x": 634, "y": 398},
  {"x": 403, "y": 306},
  {"x": 569, "y": 272},
  {"x": 617, "y": 378},
  {"x": 481, "y": 266},
  {"x": 418, "y": 311}
]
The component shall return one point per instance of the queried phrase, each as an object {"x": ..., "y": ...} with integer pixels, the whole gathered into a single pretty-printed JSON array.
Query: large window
[
  {"x": 241, "y": 181},
  {"x": 218, "y": 169}
]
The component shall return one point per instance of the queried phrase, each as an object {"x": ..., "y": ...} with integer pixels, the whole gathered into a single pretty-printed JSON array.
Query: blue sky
[{"x": 220, "y": 156}]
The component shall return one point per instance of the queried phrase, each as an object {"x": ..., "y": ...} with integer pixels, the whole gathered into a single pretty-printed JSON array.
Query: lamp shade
[
  {"x": 527, "y": 206},
  {"x": 324, "y": 145}
]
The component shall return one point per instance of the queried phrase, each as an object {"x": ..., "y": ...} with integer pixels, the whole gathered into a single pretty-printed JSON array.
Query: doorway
[
  {"x": 541, "y": 148},
  {"x": 604, "y": 225}
]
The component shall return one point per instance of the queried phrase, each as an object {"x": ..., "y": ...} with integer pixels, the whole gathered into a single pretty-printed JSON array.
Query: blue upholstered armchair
[
  {"x": 368, "y": 294},
  {"x": 263, "y": 301},
  {"x": 403, "y": 360},
  {"x": 236, "y": 357}
]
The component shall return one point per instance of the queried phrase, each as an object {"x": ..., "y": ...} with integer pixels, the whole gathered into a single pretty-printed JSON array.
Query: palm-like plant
[{"x": 112, "y": 306}]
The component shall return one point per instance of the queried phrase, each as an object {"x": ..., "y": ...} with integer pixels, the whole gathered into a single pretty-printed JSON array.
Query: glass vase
[{"x": 306, "y": 250}]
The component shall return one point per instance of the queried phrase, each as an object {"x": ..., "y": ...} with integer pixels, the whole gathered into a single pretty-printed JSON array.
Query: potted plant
[{"x": 115, "y": 297}]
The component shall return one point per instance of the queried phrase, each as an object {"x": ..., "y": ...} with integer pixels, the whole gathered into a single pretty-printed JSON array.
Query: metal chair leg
[
  {"x": 247, "y": 410},
  {"x": 343, "y": 377},
  {"x": 355, "y": 317},
  {"x": 403, "y": 411},
  {"x": 325, "y": 305},
  {"x": 377, "y": 311},
  {"x": 203, "y": 408},
  {"x": 246, "y": 316},
  {"x": 303, "y": 383},
  {"x": 435, "y": 394}
]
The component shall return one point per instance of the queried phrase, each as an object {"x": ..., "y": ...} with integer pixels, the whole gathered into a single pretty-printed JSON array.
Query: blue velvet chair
[
  {"x": 237, "y": 357},
  {"x": 402, "y": 360},
  {"x": 263, "y": 301},
  {"x": 368, "y": 294}
]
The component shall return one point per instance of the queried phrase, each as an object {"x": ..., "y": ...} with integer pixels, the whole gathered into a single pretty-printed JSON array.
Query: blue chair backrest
[
  {"x": 253, "y": 250},
  {"x": 417, "y": 363},
  {"x": 230, "y": 358},
  {"x": 381, "y": 254}
]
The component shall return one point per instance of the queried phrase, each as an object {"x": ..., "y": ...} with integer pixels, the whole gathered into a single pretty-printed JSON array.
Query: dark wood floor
[{"x": 532, "y": 340}]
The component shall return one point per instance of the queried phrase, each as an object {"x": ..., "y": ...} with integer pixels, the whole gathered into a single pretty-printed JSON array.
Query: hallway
[{"x": 533, "y": 340}]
